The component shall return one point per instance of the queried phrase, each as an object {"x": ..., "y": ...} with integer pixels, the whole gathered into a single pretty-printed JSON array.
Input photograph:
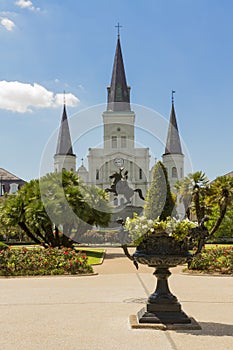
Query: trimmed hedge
[
  {"x": 39, "y": 261},
  {"x": 219, "y": 259}
]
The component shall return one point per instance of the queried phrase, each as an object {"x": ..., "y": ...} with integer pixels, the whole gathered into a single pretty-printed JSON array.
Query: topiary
[{"x": 159, "y": 200}]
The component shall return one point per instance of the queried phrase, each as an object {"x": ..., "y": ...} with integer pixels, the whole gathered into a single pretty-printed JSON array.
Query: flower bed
[
  {"x": 51, "y": 261},
  {"x": 219, "y": 259}
]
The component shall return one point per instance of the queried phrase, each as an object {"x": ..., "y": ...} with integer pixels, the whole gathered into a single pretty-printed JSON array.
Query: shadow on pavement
[
  {"x": 212, "y": 329},
  {"x": 114, "y": 255}
]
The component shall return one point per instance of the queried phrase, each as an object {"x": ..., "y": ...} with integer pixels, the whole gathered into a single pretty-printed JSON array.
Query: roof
[
  {"x": 118, "y": 91},
  {"x": 173, "y": 145},
  {"x": 82, "y": 169},
  {"x": 229, "y": 174},
  {"x": 64, "y": 145},
  {"x": 6, "y": 175}
]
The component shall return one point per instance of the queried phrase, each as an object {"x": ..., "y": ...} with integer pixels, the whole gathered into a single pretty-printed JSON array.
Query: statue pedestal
[{"x": 124, "y": 212}]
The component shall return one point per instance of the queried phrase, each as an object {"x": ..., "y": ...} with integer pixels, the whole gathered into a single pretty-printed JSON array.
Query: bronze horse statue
[{"x": 120, "y": 186}]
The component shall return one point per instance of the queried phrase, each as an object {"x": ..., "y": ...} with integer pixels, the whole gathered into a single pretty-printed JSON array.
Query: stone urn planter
[{"x": 161, "y": 251}]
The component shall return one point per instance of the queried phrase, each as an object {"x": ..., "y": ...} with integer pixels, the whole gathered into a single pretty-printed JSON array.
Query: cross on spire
[
  {"x": 118, "y": 26},
  {"x": 173, "y": 92},
  {"x": 64, "y": 97}
]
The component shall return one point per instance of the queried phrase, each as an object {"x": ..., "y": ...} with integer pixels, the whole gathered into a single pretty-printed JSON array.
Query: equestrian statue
[{"x": 120, "y": 186}]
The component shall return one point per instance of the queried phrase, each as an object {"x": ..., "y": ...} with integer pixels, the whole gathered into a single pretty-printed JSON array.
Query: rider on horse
[
  {"x": 116, "y": 178},
  {"x": 120, "y": 185}
]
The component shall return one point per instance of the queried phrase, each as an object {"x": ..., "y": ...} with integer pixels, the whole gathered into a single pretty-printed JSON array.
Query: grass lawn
[
  {"x": 95, "y": 255},
  {"x": 213, "y": 246}
]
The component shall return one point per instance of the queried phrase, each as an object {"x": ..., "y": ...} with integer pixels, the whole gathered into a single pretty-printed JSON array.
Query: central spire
[{"x": 118, "y": 91}]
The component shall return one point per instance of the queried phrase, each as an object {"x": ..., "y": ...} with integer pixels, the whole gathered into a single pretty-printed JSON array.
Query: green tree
[
  {"x": 193, "y": 190},
  {"x": 221, "y": 194},
  {"x": 226, "y": 227},
  {"x": 207, "y": 198},
  {"x": 41, "y": 207},
  {"x": 159, "y": 200}
]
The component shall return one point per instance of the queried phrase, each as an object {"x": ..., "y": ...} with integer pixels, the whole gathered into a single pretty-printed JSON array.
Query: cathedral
[{"x": 119, "y": 154}]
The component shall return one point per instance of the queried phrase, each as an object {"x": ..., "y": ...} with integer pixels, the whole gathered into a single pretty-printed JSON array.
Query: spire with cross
[
  {"x": 64, "y": 97},
  {"x": 118, "y": 91},
  {"x": 118, "y": 26},
  {"x": 173, "y": 144},
  {"x": 173, "y": 92}
]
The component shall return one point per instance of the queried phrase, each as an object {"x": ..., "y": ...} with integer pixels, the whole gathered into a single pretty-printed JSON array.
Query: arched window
[
  {"x": 140, "y": 174},
  {"x": 13, "y": 188},
  {"x": 97, "y": 176},
  {"x": 174, "y": 172},
  {"x": 123, "y": 141},
  {"x": 122, "y": 202},
  {"x": 115, "y": 201},
  {"x": 2, "y": 188},
  {"x": 181, "y": 172},
  {"x": 114, "y": 141}
]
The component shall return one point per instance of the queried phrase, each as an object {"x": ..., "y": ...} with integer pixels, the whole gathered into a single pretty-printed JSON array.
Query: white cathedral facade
[{"x": 119, "y": 151}]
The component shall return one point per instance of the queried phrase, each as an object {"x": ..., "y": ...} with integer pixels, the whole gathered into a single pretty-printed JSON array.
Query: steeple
[
  {"x": 173, "y": 158},
  {"x": 173, "y": 145},
  {"x": 64, "y": 159},
  {"x": 64, "y": 145},
  {"x": 118, "y": 91}
]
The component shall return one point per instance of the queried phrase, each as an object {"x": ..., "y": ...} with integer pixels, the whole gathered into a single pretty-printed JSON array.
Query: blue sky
[{"x": 48, "y": 46}]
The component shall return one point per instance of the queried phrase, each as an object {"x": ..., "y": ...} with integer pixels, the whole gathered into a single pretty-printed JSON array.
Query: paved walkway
[{"x": 72, "y": 313}]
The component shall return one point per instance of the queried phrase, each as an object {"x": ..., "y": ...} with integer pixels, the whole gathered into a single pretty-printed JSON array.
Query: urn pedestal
[{"x": 162, "y": 252}]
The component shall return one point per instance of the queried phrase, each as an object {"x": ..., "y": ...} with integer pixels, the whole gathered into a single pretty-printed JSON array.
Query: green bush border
[{"x": 51, "y": 261}]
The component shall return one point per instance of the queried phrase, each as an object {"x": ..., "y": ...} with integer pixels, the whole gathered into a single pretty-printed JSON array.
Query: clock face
[{"x": 119, "y": 162}]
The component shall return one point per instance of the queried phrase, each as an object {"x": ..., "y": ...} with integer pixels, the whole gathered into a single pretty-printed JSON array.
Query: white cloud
[
  {"x": 22, "y": 97},
  {"x": 70, "y": 99},
  {"x": 23, "y": 3},
  {"x": 7, "y": 23},
  {"x": 27, "y": 4}
]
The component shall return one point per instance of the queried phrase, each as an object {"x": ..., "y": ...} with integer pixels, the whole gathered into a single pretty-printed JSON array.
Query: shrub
[
  {"x": 219, "y": 259},
  {"x": 3, "y": 246},
  {"x": 159, "y": 200},
  {"x": 99, "y": 237},
  {"x": 39, "y": 261}
]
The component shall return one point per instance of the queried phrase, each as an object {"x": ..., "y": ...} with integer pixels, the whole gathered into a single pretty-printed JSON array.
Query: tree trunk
[
  {"x": 24, "y": 227},
  {"x": 196, "y": 199},
  {"x": 67, "y": 242},
  {"x": 223, "y": 209}
]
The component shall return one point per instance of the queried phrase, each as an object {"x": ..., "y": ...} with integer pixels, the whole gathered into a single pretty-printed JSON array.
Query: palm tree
[
  {"x": 55, "y": 200},
  {"x": 193, "y": 189},
  {"x": 221, "y": 194}
]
